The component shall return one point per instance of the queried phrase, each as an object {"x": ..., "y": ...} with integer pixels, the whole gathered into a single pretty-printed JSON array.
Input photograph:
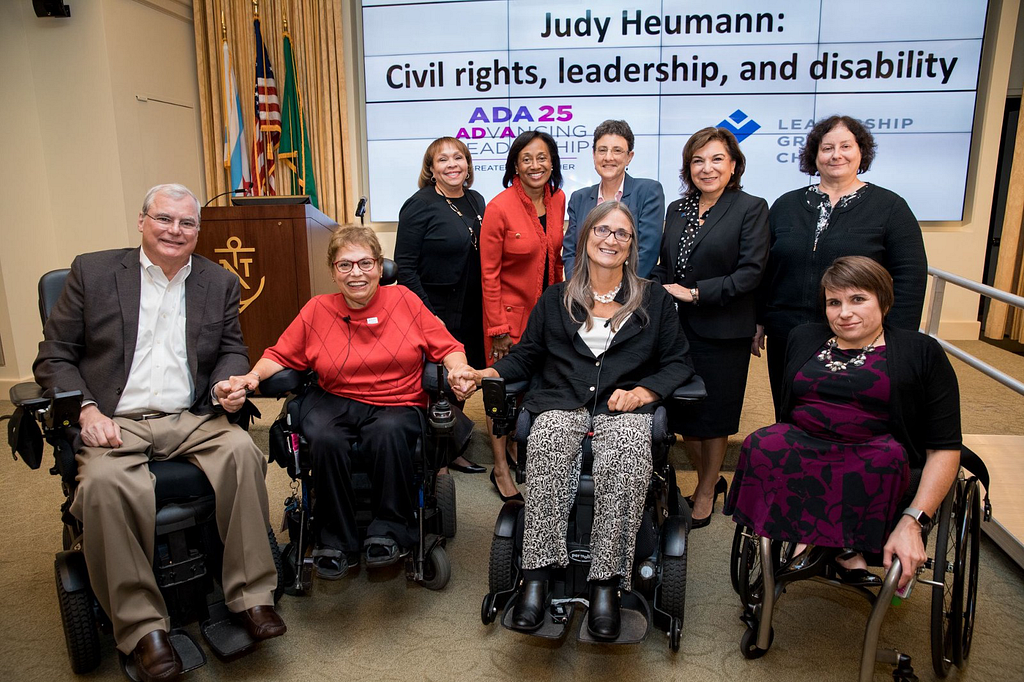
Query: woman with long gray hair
[{"x": 601, "y": 348}]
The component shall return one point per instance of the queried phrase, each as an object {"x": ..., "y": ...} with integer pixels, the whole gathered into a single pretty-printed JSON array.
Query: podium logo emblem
[{"x": 239, "y": 262}]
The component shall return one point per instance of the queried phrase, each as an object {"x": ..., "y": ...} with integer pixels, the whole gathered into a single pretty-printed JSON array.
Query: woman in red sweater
[
  {"x": 366, "y": 345},
  {"x": 520, "y": 255}
]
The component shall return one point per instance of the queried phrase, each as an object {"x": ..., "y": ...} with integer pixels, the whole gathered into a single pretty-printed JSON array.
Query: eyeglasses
[
  {"x": 621, "y": 235},
  {"x": 166, "y": 221},
  {"x": 345, "y": 266},
  {"x": 615, "y": 152}
]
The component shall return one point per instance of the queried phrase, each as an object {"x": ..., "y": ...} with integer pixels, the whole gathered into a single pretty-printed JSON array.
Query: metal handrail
[{"x": 931, "y": 324}]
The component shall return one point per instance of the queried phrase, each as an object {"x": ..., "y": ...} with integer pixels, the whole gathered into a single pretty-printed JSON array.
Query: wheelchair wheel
[
  {"x": 965, "y": 571},
  {"x": 437, "y": 569},
  {"x": 748, "y": 643},
  {"x": 81, "y": 633},
  {"x": 945, "y": 625},
  {"x": 673, "y": 595},
  {"x": 275, "y": 551},
  {"x": 499, "y": 571},
  {"x": 445, "y": 494},
  {"x": 734, "y": 557}
]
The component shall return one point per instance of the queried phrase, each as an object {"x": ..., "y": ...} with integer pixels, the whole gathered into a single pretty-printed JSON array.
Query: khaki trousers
[{"x": 117, "y": 505}]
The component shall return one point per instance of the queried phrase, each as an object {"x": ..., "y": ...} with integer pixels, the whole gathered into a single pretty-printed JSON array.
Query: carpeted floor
[{"x": 381, "y": 628}]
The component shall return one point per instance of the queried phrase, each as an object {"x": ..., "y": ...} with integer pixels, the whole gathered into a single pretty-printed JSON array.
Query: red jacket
[{"x": 513, "y": 246}]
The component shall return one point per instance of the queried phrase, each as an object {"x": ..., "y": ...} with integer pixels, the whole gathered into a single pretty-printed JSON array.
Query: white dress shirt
[{"x": 159, "y": 379}]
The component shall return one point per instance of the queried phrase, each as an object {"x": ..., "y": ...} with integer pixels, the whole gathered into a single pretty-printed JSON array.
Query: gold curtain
[{"x": 316, "y": 36}]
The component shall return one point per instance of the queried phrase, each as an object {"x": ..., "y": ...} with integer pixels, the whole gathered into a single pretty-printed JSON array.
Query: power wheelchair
[
  {"x": 427, "y": 563},
  {"x": 659, "y": 567},
  {"x": 188, "y": 550},
  {"x": 758, "y": 577}
]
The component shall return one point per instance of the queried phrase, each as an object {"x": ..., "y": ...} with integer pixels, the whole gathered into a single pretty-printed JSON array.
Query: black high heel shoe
[
  {"x": 721, "y": 486},
  {"x": 528, "y": 613},
  {"x": 505, "y": 498},
  {"x": 468, "y": 468},
  {"x": 604, "y": 616}
]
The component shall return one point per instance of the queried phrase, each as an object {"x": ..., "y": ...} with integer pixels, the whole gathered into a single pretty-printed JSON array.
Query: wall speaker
[{"x": 51, "y": 8}]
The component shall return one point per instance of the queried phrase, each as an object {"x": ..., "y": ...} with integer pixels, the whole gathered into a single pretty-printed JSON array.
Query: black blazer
[
  {"x": 924, "y": 402},
  {"x": 89, "y": 339},
  {"x": 726, "y": 264},
  {"x": 649, "y": 353}
]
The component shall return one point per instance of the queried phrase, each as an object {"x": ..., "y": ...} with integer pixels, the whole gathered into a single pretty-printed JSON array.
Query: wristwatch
[{"x": 923, "y": 519}]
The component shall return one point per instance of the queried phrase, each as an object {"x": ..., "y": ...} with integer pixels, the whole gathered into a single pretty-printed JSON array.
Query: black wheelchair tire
[
  {"x": 437, "y": 569},
  {"x": 275, "y": 551},
  {"x": 748, "y": 643},
  {"x": 500, "y": 568},
  {"x": 944, "y": 626},
  {"x": 965, "y": 576},
  {"x": 734, "y": 557},
  {"x": 81, "y": 633},
  {"x": 445, "y": 494},
  {"x": 673, "y": 586}
]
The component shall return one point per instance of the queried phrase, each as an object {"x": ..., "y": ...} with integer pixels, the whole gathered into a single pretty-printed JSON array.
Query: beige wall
[
  {"x": 79, "y": 107},
  {"x": 85, "y": 98}
]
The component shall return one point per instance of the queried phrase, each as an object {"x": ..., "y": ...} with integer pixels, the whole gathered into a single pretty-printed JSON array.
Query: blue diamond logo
[{"x": 740, "y": 125}]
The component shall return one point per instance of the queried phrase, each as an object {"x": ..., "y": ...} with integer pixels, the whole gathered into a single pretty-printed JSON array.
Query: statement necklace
[
  {"x": 609, "y": 297},
  {"x": 837, "y": 365}
]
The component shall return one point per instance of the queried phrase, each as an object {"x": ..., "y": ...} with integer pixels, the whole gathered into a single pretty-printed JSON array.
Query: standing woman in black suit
[
  {"x": 713, "y": 254},
  {"x": 437, "y": 249}
]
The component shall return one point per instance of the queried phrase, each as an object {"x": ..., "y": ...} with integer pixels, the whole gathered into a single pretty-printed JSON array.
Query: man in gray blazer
[{"x": 150, "y": 336}]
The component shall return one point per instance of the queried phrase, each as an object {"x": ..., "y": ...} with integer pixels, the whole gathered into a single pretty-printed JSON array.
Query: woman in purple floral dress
[{"x": 863, "y": 404}]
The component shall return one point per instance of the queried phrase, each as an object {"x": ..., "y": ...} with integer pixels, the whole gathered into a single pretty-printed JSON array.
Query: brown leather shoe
[
  {"x": 261, "y": 622},
  {"x": 155, "y": 658}
]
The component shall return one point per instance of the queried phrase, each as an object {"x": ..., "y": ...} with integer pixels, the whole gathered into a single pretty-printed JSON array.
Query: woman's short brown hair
[
  {"x": 859, "y": 272},
  {"x": 427, "y": 171},
  {"x": 865, "y": 140},
  {"x": 703, "y": 137},
  {"x": 347, "y": 235}
]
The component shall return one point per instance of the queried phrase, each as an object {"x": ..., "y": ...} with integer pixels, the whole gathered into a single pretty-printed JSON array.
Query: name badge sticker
[{"x": 372, "y": 320}]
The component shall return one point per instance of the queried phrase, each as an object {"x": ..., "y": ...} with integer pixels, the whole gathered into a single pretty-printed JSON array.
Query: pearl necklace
[
  {"x": 609, "y": 297},
  {"x": 838, "y": 365}
]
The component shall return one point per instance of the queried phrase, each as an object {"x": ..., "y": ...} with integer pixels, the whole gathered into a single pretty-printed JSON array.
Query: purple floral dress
[{"x": 833, "y": 476}]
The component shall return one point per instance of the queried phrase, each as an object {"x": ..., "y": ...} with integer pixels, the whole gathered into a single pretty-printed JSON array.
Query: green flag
[{"x": 294, "y": 150}]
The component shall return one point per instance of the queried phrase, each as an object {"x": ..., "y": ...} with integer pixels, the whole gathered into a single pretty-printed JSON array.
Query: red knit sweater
[{"x": 377, "y": 356}]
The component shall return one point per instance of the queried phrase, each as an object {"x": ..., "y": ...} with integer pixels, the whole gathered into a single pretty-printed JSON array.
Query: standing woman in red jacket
[{"x": 520, "y": 256}]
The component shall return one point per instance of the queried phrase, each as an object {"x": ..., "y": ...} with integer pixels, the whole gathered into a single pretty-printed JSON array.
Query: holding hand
[
  {"x": 231, "y": 392},
  {"x": 98, "y": 430},
  {"x": 463, "y": 381}
]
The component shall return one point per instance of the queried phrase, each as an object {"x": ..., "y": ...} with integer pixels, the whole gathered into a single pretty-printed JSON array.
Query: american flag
[{"x": 268, "y": 120}]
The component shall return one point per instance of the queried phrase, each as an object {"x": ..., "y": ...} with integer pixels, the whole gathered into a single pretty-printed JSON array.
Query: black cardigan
[
  {"x": 566, "y": 375},
  {"x": 433, "y": 248},
  {"x": 924, "y": 403},
  {"x": 878, "y": 225}
]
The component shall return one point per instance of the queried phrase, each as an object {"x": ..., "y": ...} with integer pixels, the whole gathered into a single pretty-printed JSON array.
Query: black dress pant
[{"x": 387, "y": 439}]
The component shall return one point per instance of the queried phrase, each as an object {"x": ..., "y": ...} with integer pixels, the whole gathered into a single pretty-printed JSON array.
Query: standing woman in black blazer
[
  {"x": 713, "y": 254},
  {"x": 437, "y": 249}
]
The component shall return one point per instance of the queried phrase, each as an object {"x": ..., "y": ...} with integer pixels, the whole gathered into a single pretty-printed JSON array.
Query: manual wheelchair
[
  {"x": 427, "y": 563},
  {"x": 188, "y": 550},
  {"x": 659, "y": 567},
  {"x": 756, "y": 565}
]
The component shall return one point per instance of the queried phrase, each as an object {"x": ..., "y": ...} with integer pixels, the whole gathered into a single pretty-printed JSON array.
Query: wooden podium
[{"x": 279, "y": 253}]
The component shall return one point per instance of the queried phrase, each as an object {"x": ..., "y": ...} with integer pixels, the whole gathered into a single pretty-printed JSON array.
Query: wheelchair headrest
[
  {"x": 388, "y": 272},
  {"x": 50, "y": 286}
]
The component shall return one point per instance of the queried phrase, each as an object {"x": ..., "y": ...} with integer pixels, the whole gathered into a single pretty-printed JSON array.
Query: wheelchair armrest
[
  {"x": 280, "y": 384},
  {"x": 692, "y": 391},
  {"x": 517, "y": 387},
  {"x": 28, "y": 395}
]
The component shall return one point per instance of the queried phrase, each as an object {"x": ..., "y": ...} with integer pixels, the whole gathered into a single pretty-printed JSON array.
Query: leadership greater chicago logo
[{"x": 740, "y": 125}]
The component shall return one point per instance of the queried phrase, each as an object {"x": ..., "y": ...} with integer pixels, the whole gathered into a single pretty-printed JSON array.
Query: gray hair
[
  {"x": 172, "y": 190},
  {"x": 578, "y": 293}
]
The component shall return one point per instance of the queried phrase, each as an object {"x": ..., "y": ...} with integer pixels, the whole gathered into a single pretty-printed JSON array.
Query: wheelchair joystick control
[{"x": 441, "y": 417}]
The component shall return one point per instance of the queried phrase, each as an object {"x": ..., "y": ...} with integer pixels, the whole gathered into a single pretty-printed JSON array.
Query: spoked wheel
[
  {"x": 945, "y": 624},
  {"x": 445, "y": 493},
  {"x": 80, "y": 631},
  {"x": 673, "y": 595},
  {"x": 437, "y": 569},
  {"x": 734, "y": 556},
  {"x": 748, "y": 643},
  {"x": 749, "y": 579},
  {"x": 965, "y": 572}
]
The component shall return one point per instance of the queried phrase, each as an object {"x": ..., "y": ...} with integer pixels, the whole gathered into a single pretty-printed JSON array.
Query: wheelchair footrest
[
  {"x": 636, "y": 621},
  {"x": 224, "y": 637},
  {"x": 551, "y": 629},
  {"x": 188, "y": 650}
]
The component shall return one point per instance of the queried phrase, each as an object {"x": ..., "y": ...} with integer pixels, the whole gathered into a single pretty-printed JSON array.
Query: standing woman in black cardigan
[
  {"x": 840, "y": 216},
  {"x": 713, "y": 254},
  {"x": 437, "y": 249}
]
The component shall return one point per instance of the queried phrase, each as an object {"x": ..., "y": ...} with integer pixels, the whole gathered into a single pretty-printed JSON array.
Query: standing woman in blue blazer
[
  {"x": 712, "y": 258},
  {"x": 613, "y": 150}
]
